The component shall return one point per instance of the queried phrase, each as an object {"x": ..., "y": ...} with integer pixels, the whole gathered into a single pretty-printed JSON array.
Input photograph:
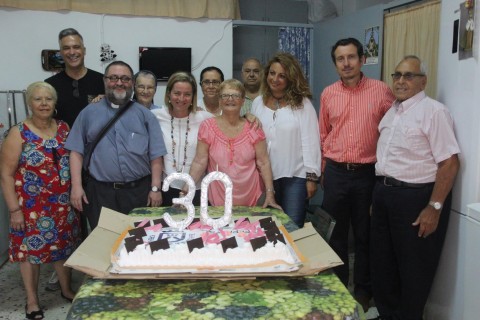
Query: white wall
[
  {"x": 452, "y": 296},
  {"x": 458, "y": 88},
  {"x": 25, "y": 33}
]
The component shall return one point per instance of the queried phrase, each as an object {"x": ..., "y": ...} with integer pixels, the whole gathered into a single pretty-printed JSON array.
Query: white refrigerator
[{"x": 456, "y": 290}]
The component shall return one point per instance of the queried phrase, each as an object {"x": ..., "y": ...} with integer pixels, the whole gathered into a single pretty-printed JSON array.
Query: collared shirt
[
  {"x": 247, "y": 106},
  {"x": 180, "y": 134},
  {"x": 69, "y": 106},
  {"x": 415, "y": 136},
  {"x": 293, "y": 140},
  {"x": 125, "y": 152},
  {"x": 349, "y": 120}
]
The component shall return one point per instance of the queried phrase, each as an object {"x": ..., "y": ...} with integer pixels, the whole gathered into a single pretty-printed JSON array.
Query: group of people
[
  {"x": 389, "y": 160},
  {"x": 385, "y": 160}
]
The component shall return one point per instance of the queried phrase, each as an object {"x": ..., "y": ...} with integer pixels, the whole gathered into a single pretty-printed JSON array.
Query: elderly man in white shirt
[{"x": 416, "y": 166}]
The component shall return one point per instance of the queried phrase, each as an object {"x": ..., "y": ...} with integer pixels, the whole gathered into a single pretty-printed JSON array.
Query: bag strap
[{"x": 88, "y": 156}]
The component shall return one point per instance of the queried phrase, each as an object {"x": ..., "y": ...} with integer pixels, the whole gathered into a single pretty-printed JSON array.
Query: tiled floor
[{"x": 12, "y": 294}]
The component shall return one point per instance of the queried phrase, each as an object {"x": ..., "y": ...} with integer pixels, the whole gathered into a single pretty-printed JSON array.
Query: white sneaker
[{"x": 53, "y": 284}]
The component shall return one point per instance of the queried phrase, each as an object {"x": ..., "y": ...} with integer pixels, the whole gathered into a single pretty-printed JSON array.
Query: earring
[{"x": 55, "y": 111}]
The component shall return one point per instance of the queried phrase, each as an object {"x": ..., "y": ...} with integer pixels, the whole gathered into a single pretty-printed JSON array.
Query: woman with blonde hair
[
  {"x": 35, "y": 178},
  {"x": 180, "y": 121},
  {"x": 230, "y": 144}
]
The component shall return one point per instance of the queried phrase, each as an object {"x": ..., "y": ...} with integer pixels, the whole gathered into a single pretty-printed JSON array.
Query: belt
[
  {"x": 392, "y": 182},
  {"x": 350, "y": 166},
  {"x": 123, "y": 185}
]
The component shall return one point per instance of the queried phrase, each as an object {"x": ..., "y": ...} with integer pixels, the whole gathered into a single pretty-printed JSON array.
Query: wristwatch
[
  {"x": 437, "y": 205},
  {"x": 155, "y": 189}
]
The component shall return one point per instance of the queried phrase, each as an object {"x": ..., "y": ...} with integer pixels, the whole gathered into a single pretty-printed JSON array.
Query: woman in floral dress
[{"x": 35, "y": 178}]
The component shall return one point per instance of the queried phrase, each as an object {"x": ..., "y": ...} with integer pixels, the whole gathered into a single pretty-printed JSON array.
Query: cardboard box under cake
[{"x": 93, "y": 257}]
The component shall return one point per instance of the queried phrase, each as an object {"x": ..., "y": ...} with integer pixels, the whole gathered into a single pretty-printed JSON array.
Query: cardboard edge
[{"x": 319, "y": 256}]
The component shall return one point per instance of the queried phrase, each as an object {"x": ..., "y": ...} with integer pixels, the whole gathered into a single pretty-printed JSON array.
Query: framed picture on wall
[{"x": 371, "y": 43}]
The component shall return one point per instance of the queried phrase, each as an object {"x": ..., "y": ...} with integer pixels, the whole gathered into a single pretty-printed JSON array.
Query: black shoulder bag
[{"x": 87, "y": 154}]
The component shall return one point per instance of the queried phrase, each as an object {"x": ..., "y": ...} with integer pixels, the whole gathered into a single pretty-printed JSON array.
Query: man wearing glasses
[
  {"x": 126, "y": 165},
  {"x": 251, "y": 71},
  {"x": 416, "y": 166},
  {"x": 76, "y": 85},
  {"x": 210, "y": 79},
  {"x": 350, "y": 110}
]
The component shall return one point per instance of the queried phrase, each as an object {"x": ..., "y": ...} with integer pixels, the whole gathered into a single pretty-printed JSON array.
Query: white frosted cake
[{"x": 152, "y": 245}]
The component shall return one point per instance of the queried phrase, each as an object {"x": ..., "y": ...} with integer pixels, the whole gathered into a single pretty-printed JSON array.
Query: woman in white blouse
[
  {"x": 180, "y": 120},
  {"x": 290, "y": 124}
]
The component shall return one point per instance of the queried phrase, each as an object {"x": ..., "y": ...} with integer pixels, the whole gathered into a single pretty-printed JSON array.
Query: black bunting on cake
[
  {"x": 265, "y": 221},
  {"x": 195, "y": 243},
  {"x": 161, "y": 244},
  {"x": 274, "y": 235},
  {"x": 131, "y": 243},
  {"x": 137, "y": 232},
  {"x": 160, "y": 221},
  {"x": 230, "y": 243},
  {"x": 258, "y": 243}
]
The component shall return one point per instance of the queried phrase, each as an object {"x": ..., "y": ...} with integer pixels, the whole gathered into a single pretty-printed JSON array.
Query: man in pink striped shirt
[
  {"x": 416, "y": 166},
  {"x": 350, "y": 110}
]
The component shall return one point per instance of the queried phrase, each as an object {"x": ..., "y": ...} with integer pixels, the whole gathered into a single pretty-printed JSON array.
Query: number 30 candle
[
  {"x": 226, "y": 218},
  {"x": 185, "y": 201}
]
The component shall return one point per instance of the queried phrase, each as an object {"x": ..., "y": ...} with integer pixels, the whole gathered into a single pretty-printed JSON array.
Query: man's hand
[
  {"x": 154, "y": 199},
  {"x": 427, "y": 221},
  {"x": 311, "y": 189}
]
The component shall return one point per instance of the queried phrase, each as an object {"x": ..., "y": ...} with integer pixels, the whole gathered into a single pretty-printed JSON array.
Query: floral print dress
[{"x": 42, "y": 185}]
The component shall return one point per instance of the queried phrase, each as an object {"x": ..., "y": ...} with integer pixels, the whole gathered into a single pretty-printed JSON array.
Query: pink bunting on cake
[
  {"x": 210, "y": 238},
  {"x": 154, "y": 228},
  {"x": 143, "y": 223}
]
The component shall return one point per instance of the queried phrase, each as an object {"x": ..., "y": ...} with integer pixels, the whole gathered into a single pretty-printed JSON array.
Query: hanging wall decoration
[
  {"x": 371, "y": 45},
  {"x": 467, "y": 29}
]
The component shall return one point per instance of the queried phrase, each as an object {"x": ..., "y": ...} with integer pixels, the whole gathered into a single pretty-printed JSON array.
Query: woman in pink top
[{"x": 228, "y": 143}]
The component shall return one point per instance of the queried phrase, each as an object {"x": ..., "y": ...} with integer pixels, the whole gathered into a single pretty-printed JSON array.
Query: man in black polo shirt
[{"x": 76, "y": 86}]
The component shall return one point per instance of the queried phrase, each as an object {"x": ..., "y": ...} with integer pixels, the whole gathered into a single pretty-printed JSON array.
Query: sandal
[{"x": 36, "y": 315}]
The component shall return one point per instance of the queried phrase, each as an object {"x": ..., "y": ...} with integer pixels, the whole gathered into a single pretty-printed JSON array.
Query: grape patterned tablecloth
[{"x": 315, "y": 297}]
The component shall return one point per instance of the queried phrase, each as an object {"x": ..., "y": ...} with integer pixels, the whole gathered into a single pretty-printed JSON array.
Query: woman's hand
[
  {"x": 253, "y": 121},
  {"x": 17, "y": 221},
  {"x": 97, "y": 98},
  {"x": 270, "y": 201},
  {"x": 77, "y": 197},
  {"x": 311, "y": 188}
]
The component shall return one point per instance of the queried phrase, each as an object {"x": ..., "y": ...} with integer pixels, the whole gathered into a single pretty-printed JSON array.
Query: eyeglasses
[
  {"x": 234, "y": 96},
  {"x": 207, "y": 83},
  {"x": 115, "y": 78},
  {"x": 407, "y": 76},
  {"x": 76, "y": 92},
  {"x": 143, "y": 88}
]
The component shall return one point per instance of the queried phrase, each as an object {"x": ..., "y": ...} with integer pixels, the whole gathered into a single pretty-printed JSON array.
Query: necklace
[
  {"x": 277, "y": 102},
  {"x": 185, "y": 147}
]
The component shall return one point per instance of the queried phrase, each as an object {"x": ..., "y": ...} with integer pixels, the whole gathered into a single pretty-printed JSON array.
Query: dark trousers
[
  {"x": 347, "y": 197},
  {"x": 403, "y": 264},
  {"x": 168, "y": 196},
  {"x": 99, "y": 195}
]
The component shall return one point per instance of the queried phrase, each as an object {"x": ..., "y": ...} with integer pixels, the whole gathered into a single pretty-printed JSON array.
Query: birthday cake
[{"x": 243, "y": 245}]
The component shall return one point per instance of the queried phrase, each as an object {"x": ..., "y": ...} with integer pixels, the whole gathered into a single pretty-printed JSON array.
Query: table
[{"x": 315, "y": 297}]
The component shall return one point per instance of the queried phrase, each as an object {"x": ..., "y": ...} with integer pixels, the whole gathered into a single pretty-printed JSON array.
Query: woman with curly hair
[{"x": 291, "y": 128}]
